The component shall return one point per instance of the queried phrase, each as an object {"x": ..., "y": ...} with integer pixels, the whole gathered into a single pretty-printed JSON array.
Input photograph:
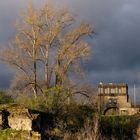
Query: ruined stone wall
[
  {"x": 122, "y": 101},
  {"x": 20, "y": 120},
  {"x": 128, "y": 111}
]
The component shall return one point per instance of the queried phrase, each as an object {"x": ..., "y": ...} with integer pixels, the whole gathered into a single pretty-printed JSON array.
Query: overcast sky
[{"x": 116, "y": 46}]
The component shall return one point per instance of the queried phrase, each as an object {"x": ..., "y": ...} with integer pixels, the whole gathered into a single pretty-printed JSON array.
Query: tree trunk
[
  {"x": 35, "y": 73},
  {"x": 58, "y": 80},
  {"x": 34, "y": 65},
  {"x": 47, "y": 67}
]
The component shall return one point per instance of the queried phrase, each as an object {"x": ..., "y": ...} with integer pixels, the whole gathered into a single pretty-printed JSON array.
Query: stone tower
[{"x": 113, "y": 99}]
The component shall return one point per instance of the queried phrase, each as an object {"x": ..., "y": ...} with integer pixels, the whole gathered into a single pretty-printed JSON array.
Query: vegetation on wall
[{"x": 9, "y": 134}]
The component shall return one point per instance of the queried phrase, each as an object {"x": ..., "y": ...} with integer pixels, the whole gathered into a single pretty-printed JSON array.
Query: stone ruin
[
  {"x": 20, "y": 118},
  {"x": 114, "y": 100}
]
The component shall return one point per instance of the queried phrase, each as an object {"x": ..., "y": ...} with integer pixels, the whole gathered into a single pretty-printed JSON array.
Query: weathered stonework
[
  {"x": 20, "y": 122},
  {"x": 1, "y": 120},
  {"x": 35, "y": 136},
  {"x": 113, "y": 100},
  {"x": 19, "y": 118}
]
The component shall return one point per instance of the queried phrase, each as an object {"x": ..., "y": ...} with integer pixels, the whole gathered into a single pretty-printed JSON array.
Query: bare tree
[
  {"x": 23, "y": 53},
  {"x": 72, "y": 49},
  {"x": 47, "y": 48}
]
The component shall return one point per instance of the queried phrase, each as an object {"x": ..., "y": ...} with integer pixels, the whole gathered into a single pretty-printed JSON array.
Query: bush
[
  {"x": 5, "y": 98},
  {"x": 13, "y": 134},
  {"x": 10, "y": 134},
  {"x": 71, "y": 119},
  {"x": 119, "y": 127}
]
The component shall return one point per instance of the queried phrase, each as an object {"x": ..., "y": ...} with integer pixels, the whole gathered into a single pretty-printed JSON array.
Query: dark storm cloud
[
  {"x": 116, "y": 45},
  {"x": 5, "y": 77}
]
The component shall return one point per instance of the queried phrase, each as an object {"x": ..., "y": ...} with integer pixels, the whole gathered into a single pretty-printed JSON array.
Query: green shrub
[
  {"x": 119, "y": 127},
  {"x": 5, "y": 98},
  {"x": 13, "y": 134}
]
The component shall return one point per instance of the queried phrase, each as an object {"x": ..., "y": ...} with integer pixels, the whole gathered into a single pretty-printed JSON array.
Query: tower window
[
  {"x": 106, "y": 91},
  {"x": 120, "y": 91},
  {"x": 112, "y": 91}
]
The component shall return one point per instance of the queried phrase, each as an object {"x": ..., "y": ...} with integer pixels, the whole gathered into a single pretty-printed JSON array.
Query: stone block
[{"x": 20, "y": 122}]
